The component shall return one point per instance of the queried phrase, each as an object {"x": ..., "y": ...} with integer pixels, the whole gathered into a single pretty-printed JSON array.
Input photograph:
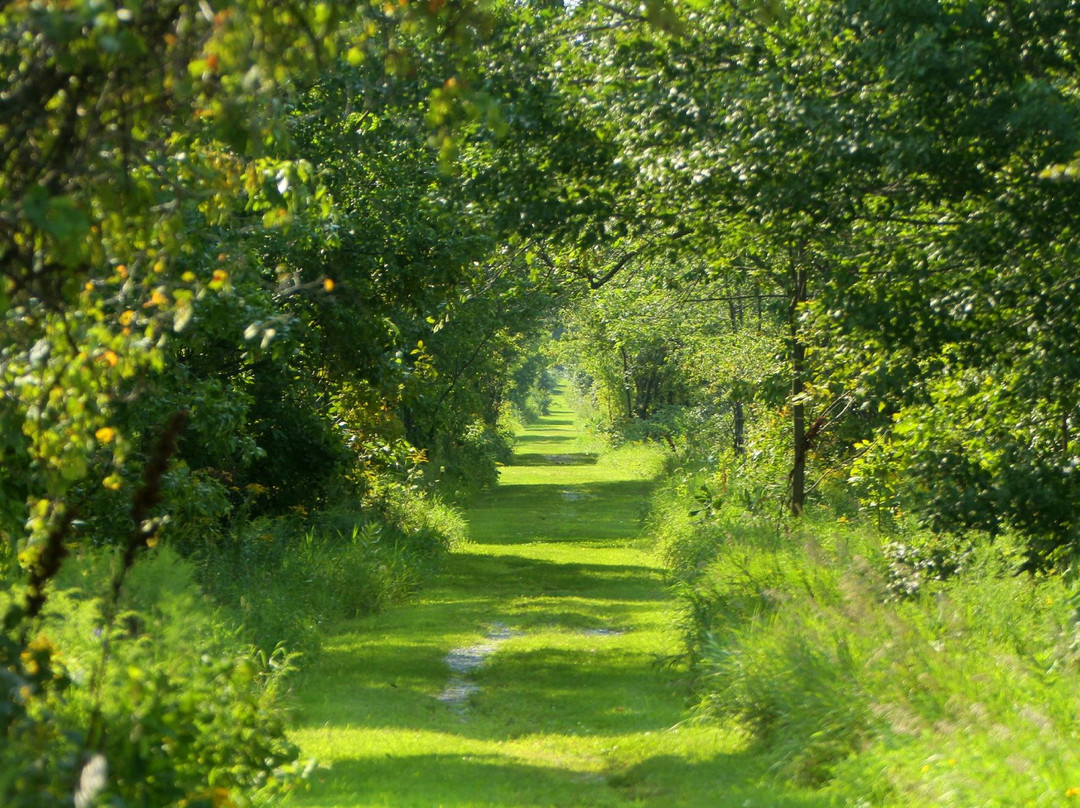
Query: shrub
[
  {"x": 161, "y": 707},
  {"x": 682, "y": 543},
  {"x": 468, "y": 464}
]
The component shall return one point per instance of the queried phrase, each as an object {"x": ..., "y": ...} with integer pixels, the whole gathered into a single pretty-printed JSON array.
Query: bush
[
  {"x": 697, "y": 518},
  {"x": 682, "y": 543},
  {"x": 162, "y": 707},
  {"x": 468, "y": 465}
]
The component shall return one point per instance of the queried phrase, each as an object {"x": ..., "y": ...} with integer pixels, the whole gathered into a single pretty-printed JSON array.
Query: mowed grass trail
[{"x": 526, "y": 675}]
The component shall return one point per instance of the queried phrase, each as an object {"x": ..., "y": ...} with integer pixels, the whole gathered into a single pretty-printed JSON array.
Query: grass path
[{"x": 526, "y": 675}]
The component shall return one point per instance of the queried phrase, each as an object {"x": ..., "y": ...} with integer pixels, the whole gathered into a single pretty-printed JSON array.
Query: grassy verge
[
  {"x": 883, "y": 672},
  {"x": 284, "y": 580}
]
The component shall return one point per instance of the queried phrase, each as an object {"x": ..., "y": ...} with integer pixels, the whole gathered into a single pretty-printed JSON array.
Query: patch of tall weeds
[
  {"x": 890, "y": 670},
  {"x": 641, "y": 460},
  {"x": 286, "y": 578}
]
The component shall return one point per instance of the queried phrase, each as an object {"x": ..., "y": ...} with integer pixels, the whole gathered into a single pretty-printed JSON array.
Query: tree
[{"x": 881, "y": 167}]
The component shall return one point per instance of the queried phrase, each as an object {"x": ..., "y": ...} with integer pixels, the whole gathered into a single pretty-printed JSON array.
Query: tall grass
[
  {"x": 887, "y": 674},
  {"x": 165, "y": 705},
  {"x": 645, "y": 461},
  {"x": 165, "y": 697},
  {"x": 284, "y": 578}
]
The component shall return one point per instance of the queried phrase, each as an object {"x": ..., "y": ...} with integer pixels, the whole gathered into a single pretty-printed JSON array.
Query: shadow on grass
[
  {"x": 544, "y": 437},
  {"x": 424, "y": 780},
  {"x": 736, "y": 782},
  {"x": 439, "y": 779},
  {"x": 538, "y": 459},
  {"x": 559, "y": 696},
  {"x": 509, "y": 576},
  {"x": 390, "y": 681},
  {"x": 585, "y": 513}
]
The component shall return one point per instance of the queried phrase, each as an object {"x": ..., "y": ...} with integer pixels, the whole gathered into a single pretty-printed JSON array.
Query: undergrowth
[
  {"x": 887, "y": 669},
  {"x": 173, "y": 698},
  {"x": 284, "y": 578},
  {"x": 162, "y": 706}
]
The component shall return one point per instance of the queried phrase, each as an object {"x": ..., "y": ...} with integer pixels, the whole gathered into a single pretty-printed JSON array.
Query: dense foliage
[
  {"x": 275, "y": 282},
  {"x": 249, "y": 317},
  {"x": 885, "y": 184}
]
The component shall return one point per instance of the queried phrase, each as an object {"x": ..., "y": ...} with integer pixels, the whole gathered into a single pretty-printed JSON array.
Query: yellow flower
[
  {"x": 105, "y": 434},
  {"x": 1072, "y": 792},
  {"x": 328, "y": 285},
  {"x": 38, "y": 651},
  {"x": 127, "y": 317},
  {"x": 218, "y": 797},
  {"x": 110, "y": 358}
]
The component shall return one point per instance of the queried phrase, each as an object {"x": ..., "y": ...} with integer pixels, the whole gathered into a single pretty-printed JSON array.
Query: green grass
[
  {"x": 571, "y": 707},
  {"x": 962, "y": 693}
]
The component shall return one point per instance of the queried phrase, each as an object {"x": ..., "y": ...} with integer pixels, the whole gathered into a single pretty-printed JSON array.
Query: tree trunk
[
  {"x": 800, "y": 445},
  {"x": 627, "y": 385},
  {"x": 647, "y": 393},
  {"x": 738, "y": 427}
]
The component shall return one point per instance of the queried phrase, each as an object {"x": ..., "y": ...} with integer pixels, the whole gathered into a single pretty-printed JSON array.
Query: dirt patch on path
[{"x": 468, "y": 658}]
